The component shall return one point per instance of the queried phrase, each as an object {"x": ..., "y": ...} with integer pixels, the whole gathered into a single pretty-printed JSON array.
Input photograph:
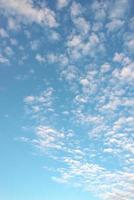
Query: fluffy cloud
[
  {"x": 62, "y": 3},
  {"x": 82, "y": 46},
  {"x": 28, "y": 12},
  {"x": 3, "y": 33},
  {"x": 29, "y": 99},
  {"x": 119, "y": 9},
  {"x": 105, "y": 67},
  {"x": 114, "y": 25},
  {"x": 99, "y": 9},
  {"x": 106, "y": 184},
  {"x": 130, "y": 44},
  {"x": 3, "y": 59},
  {"x": 82, "y": 24},
  {"x": 48, "y": 138},
  {"x": 121, "y": 58},
  {"x": 76, "y": 9},
  {"x": 38, "y": 106},
  {"x": 39, "y": 58},
  {"x": 84, "y": 82},
  {"x": 128, "y": 71}
]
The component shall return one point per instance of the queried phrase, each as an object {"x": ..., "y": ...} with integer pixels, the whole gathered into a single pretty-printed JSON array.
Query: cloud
[
  {"x": 27, "y": 12},
  {"x": 76, "y": 9},
  {"x": 48, "y": 138},
  {"x": 121, "y": 58},
  {"x": 62, "y": 3},
  {"x": 131, "y": 24},
  {"x": 55, "y": 36},
  {"x": 13, "y": 24},
  {"x": 128, "y": 71},
  {"x": 3, "y": 60},
  {"x": 82, "y": 25},
  {"x": 29, "y": 99},
  {"x": 70, "y": 73},
  {"x": 80, "y": 46},
  {"x": 84, "y": 82},
  {"x": 3, "y": 33},
  {"x": 99, "y": 9},
  {"x": 96, "y": 179},
  {"x": 119, "y": 9},
  {"x": 35, "y": 44},
  {"x": 110, "y": 9},
  {"x": 74, "y": 41},
  {"x": 83, "y": 118},
  {"x": 38, "y": 106},
  {"x": 39, "y": 58},
  {"x": 130, "y": 44},
  {"x": 8, "y": 51},
  {"x": 87, "y": 157},
  {"x": 105, "y": 67},
  {"x": 114, "y": 25}
]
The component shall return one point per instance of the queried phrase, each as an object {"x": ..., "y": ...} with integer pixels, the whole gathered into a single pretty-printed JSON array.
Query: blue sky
[{"x": 66, "y": 99}]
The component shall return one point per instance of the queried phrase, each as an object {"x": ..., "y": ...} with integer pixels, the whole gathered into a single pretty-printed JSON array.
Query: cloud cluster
[
  {"x": 82, "y": 80},
  {"x": 27, "y": 12}
]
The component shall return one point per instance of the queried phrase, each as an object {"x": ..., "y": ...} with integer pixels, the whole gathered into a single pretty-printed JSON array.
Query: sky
[{"x": 66, "y": 99}]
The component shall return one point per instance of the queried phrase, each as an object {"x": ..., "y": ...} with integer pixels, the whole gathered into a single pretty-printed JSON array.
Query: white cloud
[
  {"x": 130, "y": 44},
  {"x": 121, "y": 58},
  {"x": 3, "y": 33},
  {"x": 118, "y": 9},
  {"x": 48, "y": 137},
  {"x": 35, "y": 44},
  {"x": 74, "y": 41},
  {"x": 70, "y": 73},
  {"x": 3, "y": 59},
  {"x": 27, "y": 12},
  {"x": 40, "y": 58},
  {"x": 37, "y": 106},
  {"x": 55, "y": 58},
  {"x": 118, "y": 57},
  {"x": 105, "y": 67},
  {"x": 13, "y": 24},
  {"x": 128, "y": 71},
  {"x": 82, "y": 24},
  {"x": 29, "y": 99},
  {"x": 55, "y": 36},
  {"x": 52, "y": 58},
  {"x": 79, "y": 46},
  {"x": 110, "y": 9},
  {"x": 99, "y": 9},
  {"x": 8, "y": 51},
  {"x": 84, "y": 82},
  {"x": 94, "y": 178},
  {"x": 114, "y": 25},
  {"x": 131, "y": 24},
  {"x": 81, "y": 99},
  {"x": 97, "y": 26},
  {"x": 62, "y": 3},
  {"x": 97, "y": 154},
  {"x": 76, "y": 9}
]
